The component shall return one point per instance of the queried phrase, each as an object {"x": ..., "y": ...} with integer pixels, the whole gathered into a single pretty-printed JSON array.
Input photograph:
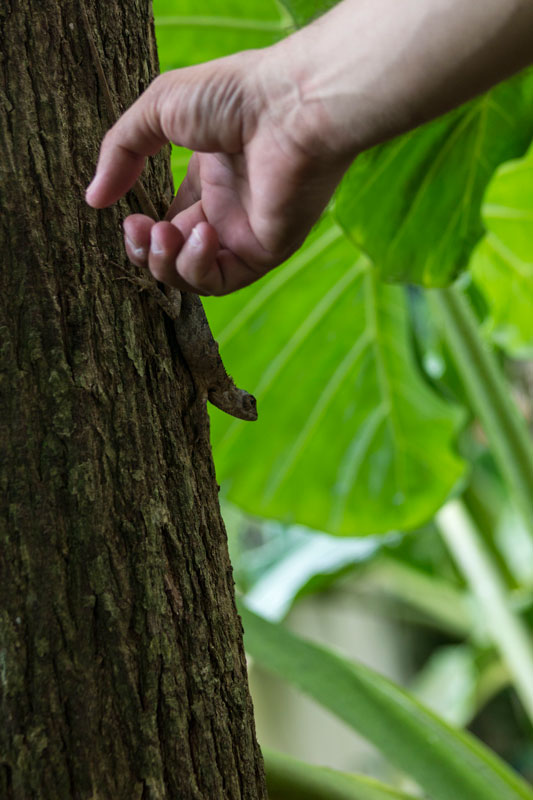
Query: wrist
[
  {"x": 358, "y": 74},
  {"x": 301, "y": 115},
  {"x": 369, "y": 70},
  {"x": 331, "y": 95}
]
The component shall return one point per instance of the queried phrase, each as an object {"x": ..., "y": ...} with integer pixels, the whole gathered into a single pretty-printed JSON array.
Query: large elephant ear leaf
[
  {"x": 350, "y": 438},
  {"x": 413, "y": 204},
  {"x": 502, "y": 265},
  {"x": 191, "y": 31}
]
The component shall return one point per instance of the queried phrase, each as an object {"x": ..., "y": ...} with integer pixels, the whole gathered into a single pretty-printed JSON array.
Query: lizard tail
[{"x": 236, "y": 402}]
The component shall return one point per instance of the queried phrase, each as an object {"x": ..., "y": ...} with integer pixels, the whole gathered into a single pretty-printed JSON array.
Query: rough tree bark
[{"x": 122, "y": 672}]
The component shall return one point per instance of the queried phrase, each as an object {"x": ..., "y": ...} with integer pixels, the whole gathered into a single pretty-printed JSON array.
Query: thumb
[{"x": 197, "y": 107}]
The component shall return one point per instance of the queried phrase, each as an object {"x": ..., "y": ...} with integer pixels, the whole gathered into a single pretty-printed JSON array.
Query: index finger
[{"x": 123, "y": 151}]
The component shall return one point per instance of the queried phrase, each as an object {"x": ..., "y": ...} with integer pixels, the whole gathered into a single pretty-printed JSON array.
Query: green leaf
[
  {"x": 458, "y": 681},
  {"x": 435, "y": 600},
  {"x": 502, "y": 265},
  {"x": 448, "y": 683},
  {"x": 313, "y": 561},
  {"x": 303, "y": 11},
  {"x": 448, "y": 764},
  {"x": 290, "y": 779},
  {"x": 350, "y": 440},
  {"x": 414, "y": 204},
  {"x": 192, "y": 31}
]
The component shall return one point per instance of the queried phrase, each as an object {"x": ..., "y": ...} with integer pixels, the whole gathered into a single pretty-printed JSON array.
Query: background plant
[{"x": 387, "y": 412}]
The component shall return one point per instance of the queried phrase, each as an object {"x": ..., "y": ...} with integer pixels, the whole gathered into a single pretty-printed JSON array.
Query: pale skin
[{"x": 274, "y": 130}]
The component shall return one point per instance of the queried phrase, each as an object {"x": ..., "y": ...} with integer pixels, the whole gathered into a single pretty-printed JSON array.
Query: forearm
[{"x": 371, "y": 69}]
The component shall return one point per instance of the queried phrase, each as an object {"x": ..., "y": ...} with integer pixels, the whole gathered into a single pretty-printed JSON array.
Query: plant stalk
[
  {"x": 490, "y": 398},
  {"x": 505, "y": 627}
]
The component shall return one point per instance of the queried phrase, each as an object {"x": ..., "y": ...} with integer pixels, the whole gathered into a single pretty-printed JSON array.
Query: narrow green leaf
[
  {"x": 448, "y": 764},
  {"x": 502, "y": 265},
  {"x": 413, "y": 204},
  {"x": 352, "y": 440},
  {"x": 290, "y": 779}
]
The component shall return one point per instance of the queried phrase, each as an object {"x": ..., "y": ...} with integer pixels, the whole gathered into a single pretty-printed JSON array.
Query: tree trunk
[{"x": 122, "y": 673}]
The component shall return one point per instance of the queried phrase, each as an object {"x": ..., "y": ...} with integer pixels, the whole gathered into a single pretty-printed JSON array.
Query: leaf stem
[
  {"x": 505, "y": 628},
  {"x": 490, "y": 398}
]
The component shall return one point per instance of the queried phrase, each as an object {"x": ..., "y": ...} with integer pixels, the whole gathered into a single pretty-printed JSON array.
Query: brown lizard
[{"x": 193, "y": 333}]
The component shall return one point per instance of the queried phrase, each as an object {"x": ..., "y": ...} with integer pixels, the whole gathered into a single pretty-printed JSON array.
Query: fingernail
[
  {"x": 156, "y": 246},
  {"x": 138, "y": 252},
  {"x": 195, "y": 239}
]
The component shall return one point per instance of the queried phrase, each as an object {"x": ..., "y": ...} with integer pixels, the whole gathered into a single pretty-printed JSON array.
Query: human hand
[
  {"x": 274, "y": 130},
  {"x": 256, "y": 183}
]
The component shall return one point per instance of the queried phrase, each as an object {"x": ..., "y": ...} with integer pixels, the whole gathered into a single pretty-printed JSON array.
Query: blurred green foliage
[
  {"x": 502, "y": 265},
  {"x": 366, "y": 428}
]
